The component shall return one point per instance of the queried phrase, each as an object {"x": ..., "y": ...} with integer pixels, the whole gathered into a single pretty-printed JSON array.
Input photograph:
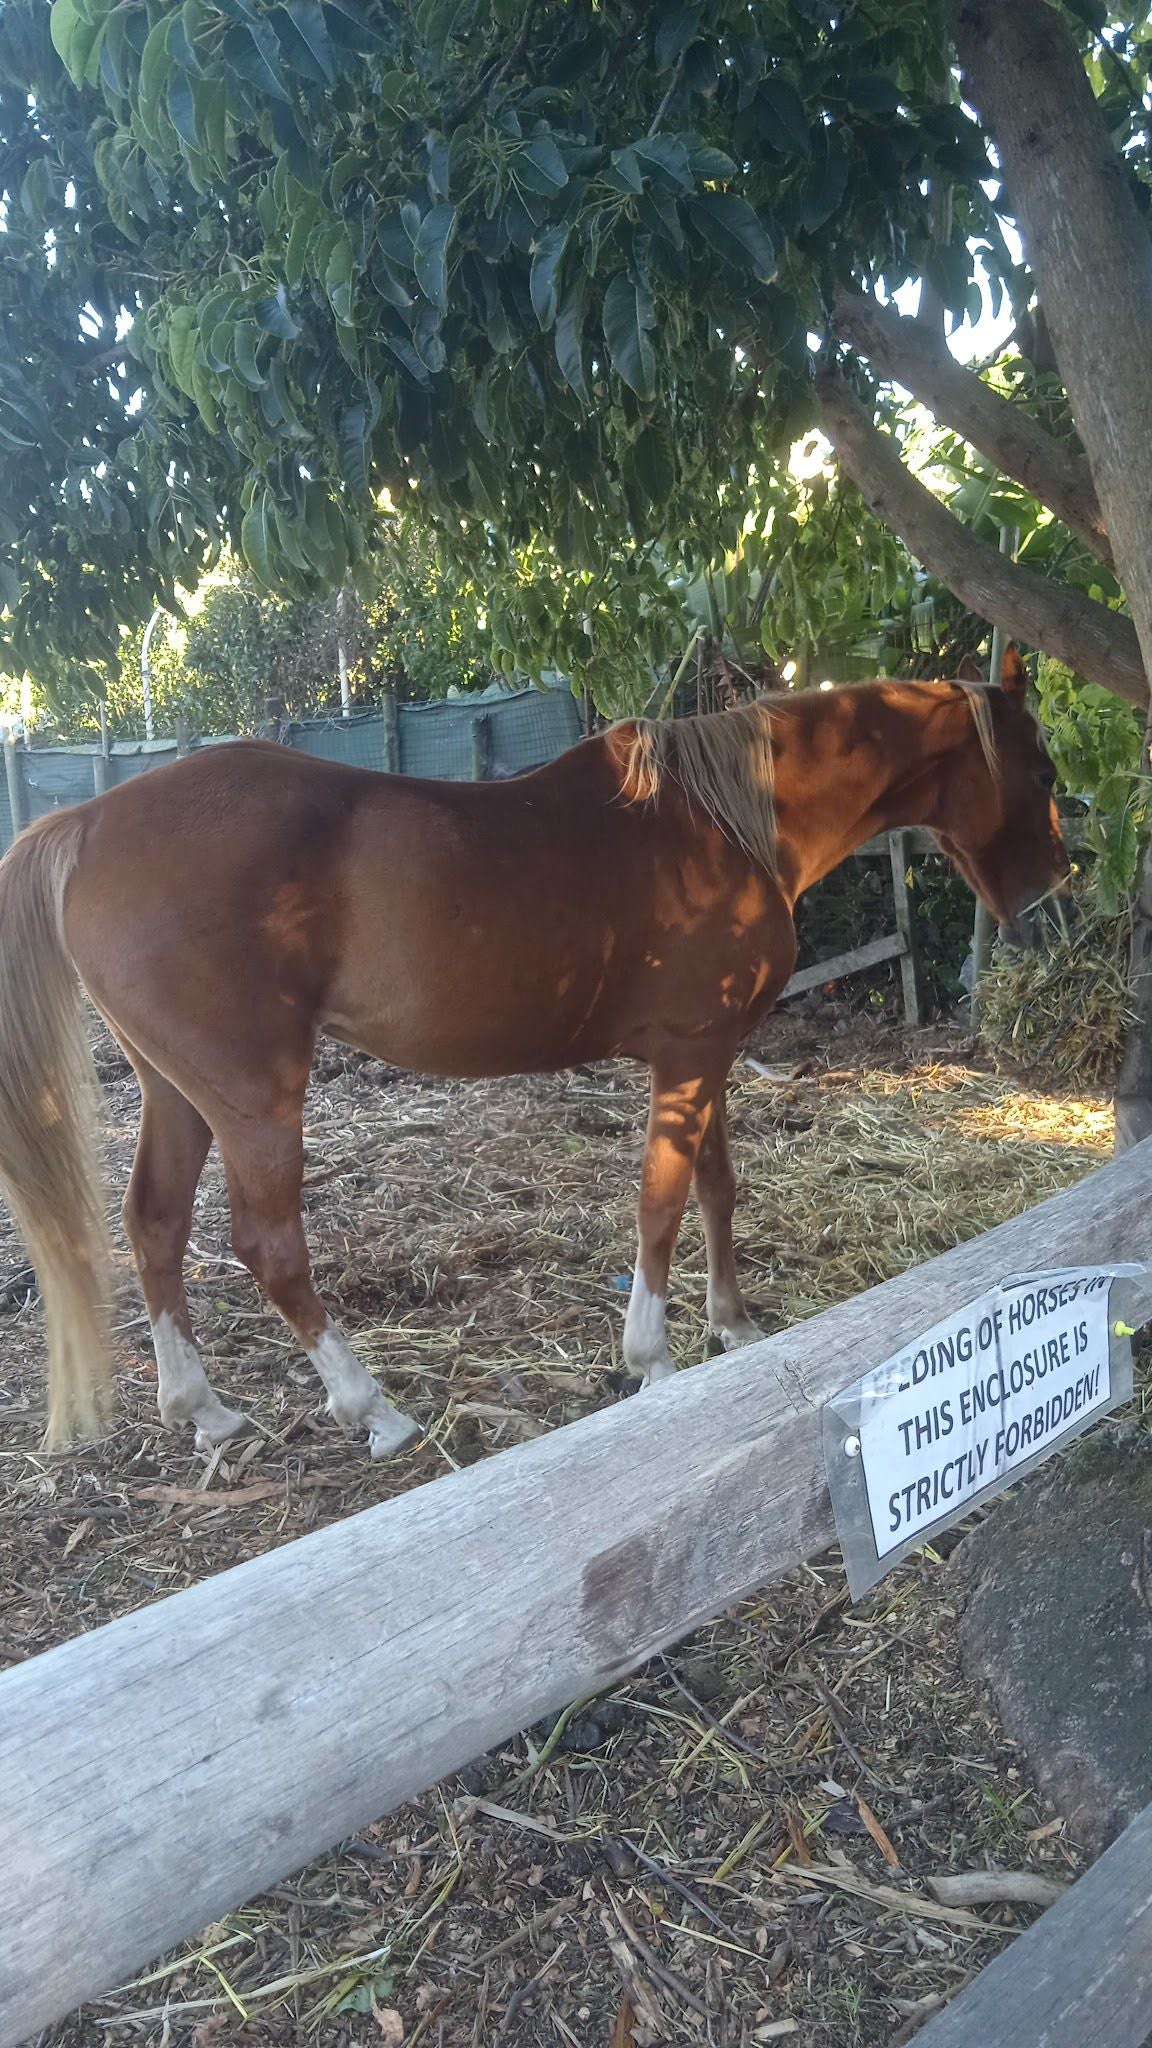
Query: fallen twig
[{"x": 996, "y": 1887}]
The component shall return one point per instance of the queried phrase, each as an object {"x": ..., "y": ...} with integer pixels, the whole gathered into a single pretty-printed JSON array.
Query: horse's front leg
[
  {"x": 685, "y": 1089},
  {"x": 728, "y": 1318}
]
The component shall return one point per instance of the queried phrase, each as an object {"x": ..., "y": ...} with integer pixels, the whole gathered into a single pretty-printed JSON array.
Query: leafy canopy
[{"x": 544, "y": 270}]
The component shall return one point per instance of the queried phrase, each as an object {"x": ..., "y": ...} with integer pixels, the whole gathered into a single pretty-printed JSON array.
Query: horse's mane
[
  {"x": 979, "y": 697},
  {"x": 723, "y": 761}
]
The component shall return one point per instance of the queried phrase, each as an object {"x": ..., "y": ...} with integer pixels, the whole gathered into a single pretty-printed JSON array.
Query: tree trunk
[
  {"x": 919, "y": 358},
  {"x": 1097, "y": 643},
  {"x": 1091, "y": 254}
]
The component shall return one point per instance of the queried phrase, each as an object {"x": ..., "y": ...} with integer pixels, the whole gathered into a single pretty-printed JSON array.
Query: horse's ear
[
  {"x": 969, "y": 670},
  {"x": 1013, "y": 674}
]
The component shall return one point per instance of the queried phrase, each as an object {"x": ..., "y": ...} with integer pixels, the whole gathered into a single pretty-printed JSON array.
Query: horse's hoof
[
  {"x": 219, "y": 1428},
  {"x": 391, "y": 1434},
  {"x": 735, "y": 1336},
  {"x": 656, "y": 1376}
]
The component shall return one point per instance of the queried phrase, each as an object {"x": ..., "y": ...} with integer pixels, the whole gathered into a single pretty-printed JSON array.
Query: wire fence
[{"x": 456, "y": 741}]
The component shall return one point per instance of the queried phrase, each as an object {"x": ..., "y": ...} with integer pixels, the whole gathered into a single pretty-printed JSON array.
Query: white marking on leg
[
  {"x": 184, "y": 1392},
  {"x": 646, "y": 1352},
  {"x": 355, "y": 1399},
  {"x": 736, "y": 1332}
]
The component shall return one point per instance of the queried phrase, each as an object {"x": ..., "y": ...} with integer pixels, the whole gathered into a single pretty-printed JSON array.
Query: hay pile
[{"x": 1063, "y": 1011}]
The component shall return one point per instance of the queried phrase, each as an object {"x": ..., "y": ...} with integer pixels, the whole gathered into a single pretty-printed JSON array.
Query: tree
[{"x": 562, "y": 293}]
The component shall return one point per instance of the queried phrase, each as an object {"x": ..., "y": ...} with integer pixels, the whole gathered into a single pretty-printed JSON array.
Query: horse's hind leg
[
  {"x": 728, "y": 1318},
  {"x": 170, "y": 1153},
  {"x": 264, "y": 1163},
  {"x": 685, "y": 1085}
]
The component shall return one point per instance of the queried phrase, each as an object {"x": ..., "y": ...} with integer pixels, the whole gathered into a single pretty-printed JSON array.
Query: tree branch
[
  {"x": 1088, "y": 245},
  {"x": 918, "y": 357},
  {"x": 1099, "y": 644}
]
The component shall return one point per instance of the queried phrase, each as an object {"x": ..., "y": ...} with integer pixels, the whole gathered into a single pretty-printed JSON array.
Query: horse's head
[{"x": 997, "y": 817}]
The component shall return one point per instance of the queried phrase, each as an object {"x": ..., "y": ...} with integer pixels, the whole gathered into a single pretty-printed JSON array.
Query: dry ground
[{"x": 738, "y": 1845}]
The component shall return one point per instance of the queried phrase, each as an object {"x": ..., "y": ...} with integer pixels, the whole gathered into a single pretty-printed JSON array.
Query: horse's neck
[{"x": 857, "y": 764}]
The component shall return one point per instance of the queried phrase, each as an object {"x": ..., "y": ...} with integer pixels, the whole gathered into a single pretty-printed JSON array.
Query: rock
[{"x": 1056, "y": 1621}]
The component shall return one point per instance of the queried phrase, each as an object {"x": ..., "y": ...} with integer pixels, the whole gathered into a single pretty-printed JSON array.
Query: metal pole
[
  {"x": 15, "y": 787},
  {"x": 146, "y": 670},
  {"x": 342, "y": 655}
]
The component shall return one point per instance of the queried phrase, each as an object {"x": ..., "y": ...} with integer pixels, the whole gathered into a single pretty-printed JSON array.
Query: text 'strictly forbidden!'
[{"x": 971, "y": 1404}]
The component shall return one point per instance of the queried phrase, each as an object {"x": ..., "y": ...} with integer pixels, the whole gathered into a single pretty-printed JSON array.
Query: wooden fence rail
[
  {"x": 157, "y": 1772},
  {"x": 1080, "y": 1978}
]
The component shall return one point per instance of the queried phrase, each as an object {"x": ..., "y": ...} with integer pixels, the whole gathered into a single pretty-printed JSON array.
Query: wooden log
[
  {"x": 157, "y": 1772},
  {"x": 891, "y": 947},
  {"x": 1082, "y": 1974}
]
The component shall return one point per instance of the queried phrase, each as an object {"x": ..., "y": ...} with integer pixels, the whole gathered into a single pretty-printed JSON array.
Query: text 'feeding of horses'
[{"x": 971, "y": 1404}]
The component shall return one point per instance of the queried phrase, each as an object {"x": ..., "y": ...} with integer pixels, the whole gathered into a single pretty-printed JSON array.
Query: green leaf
[
  {"x": 258, "y": 539},
  {"x": 338, "y": 274},
  {"x": 244, "y": 362},
  {"x": 625, "y": 174},
  {"x": 286, "y": 404},
  {"x": 667, "y": 156},
  {"x": 570, "y": 339},
  {"x": 651, "y": 464},
  {"x": 151, "y": 89},
  {"x": 182, "y": 107},
  {"x": 273, "y": 317},
  {"x": 183, "y": 333},
  {"x": 304, "y": 218},
  {"x": 11, "y": 588},
  {"x": 354, "y": 448},
  {"x": 711, "y": 166},
  {"x": 872, "y": 90},
  {"x": 346, "y": 25},
  {"x": 785, "y": 109},
  {"x": 677, "y": 29},
  {"x": 629, "y": 317},
  {"x": 304, "y": 40},
  {"x": 73, "y": 38},
  {"x": 733, "y": 228},
  {"x": 36, "y": 192},
  {"x": 539, "y": 166},
  {"x": 254, "y": 53},
  {"x": 430, "y": 255},
  {"x": 542, "y": 285}
]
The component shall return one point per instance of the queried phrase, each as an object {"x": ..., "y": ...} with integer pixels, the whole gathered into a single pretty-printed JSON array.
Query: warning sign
[{"x": 969, "y": 1403}]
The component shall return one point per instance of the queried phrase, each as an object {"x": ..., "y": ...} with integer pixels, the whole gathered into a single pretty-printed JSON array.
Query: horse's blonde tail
[{"x": 48, "y": 1157}]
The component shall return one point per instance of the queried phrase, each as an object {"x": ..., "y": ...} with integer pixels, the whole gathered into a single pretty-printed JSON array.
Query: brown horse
[{"x": 634, "y": 897}]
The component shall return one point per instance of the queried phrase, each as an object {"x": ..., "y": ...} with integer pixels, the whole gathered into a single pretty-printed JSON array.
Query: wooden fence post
[
  {"x": 1082, "y": 1974},
  {"x": 481, "y": 746},
  {"x": 393, "y": 754},
  {"x": 898, "y": 847},
  {"x": 982, "y": 922}
]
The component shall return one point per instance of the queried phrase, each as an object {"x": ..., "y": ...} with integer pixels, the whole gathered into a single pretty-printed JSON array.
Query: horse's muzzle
[
  {"x": 1023, "y": 934},
  {"x": 1054, "y": 914}
]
